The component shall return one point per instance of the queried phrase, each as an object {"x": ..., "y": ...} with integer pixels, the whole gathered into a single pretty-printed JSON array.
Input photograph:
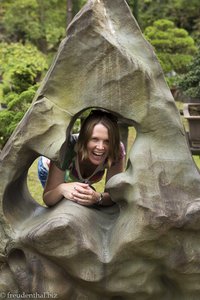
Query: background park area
[{"x": 31, "y": 31}]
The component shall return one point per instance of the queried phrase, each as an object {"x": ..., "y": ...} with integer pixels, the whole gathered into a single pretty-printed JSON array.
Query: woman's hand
[
  {"x": 68, "y": 189},
  {"x": 83, "y": 194},
  {"x": 56, "y": 189}
]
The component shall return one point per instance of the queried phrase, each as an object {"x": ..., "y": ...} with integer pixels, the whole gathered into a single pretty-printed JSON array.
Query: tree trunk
[
  {"x": 69, "y": 11},
  {"x": 135, "y": 9}
]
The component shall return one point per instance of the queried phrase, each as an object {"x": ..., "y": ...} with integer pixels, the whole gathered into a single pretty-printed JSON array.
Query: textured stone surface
[{"x": 145, "y": 247}]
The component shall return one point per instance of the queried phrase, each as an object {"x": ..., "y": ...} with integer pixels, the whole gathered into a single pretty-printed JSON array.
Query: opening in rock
[{"x": 36, "y": 183}]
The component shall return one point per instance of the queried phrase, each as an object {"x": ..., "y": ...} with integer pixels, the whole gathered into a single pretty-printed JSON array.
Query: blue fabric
[{"x": 42, "y": 172}]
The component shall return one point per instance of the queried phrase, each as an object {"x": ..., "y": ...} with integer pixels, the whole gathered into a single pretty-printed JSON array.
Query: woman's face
[{"x": 98, "y": 145}]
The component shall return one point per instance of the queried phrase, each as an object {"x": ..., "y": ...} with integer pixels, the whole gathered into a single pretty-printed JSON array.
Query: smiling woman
[
  {"x": 89, "y": 154},
  {"x": 98, "y": 144}
]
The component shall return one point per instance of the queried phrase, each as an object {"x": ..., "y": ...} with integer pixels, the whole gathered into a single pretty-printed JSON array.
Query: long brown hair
[{"x": 110, "y": 122}]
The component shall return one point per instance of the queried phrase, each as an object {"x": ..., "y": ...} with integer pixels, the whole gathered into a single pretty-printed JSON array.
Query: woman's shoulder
[{"x": 70, "y": 152}]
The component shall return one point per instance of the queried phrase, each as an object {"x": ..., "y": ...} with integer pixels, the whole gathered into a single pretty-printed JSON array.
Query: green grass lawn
[
  {"x": 197, "y": 160},
  {"x": 35, "y": 186}
]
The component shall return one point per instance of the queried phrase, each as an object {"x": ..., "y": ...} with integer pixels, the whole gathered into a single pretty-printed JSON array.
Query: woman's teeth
[{"x": 98, "y": 154}]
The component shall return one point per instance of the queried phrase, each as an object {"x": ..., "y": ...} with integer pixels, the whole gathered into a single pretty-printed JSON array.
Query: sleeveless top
[{"x": 71, "y": 164}]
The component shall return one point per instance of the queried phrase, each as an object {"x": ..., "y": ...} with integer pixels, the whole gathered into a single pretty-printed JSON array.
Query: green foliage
[
  {"x": 183, "y": 13},
  {"x": 21, "y": 102},
  {"x": 77, "y": 4},
  {"x": 196, "y": 30},
  {"x": 173, "y": 46},
  {"x": 17, "y": 105},
  {"x": 134, "y": 6},
  {"x": 38, "y": 21},
  {"x": 21, "y": 66},
  {"x": 6, "y": 122},
  {"x": 189, "y": 83},
  {"x": 168, "y": 38},
  {"x": 176, "y": 61}
]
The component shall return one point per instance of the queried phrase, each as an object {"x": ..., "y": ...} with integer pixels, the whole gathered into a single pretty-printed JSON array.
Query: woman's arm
[
  {"x": 88, "y": 196},
  {"x": 53, "y": 188},
  {"x": 56, "y": 189}
]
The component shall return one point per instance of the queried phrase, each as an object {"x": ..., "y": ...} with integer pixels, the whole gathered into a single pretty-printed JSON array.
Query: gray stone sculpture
[{"x": 145, "y": 247}]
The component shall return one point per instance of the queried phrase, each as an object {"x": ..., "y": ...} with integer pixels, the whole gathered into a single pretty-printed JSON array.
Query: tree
[
  {"x": 189, "y": 83},
  {"x": 77, "y": 4},
  {"x": 134, "y": 5},
  {"x": 69, "y": 11},
  {"x": 40, "y": 22},
  {"x": 22, "y": 67},
  {"x": 183, "y": 15},
  {"x": 173, "y": 46},
  {"x": 73, "y": 6}
]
